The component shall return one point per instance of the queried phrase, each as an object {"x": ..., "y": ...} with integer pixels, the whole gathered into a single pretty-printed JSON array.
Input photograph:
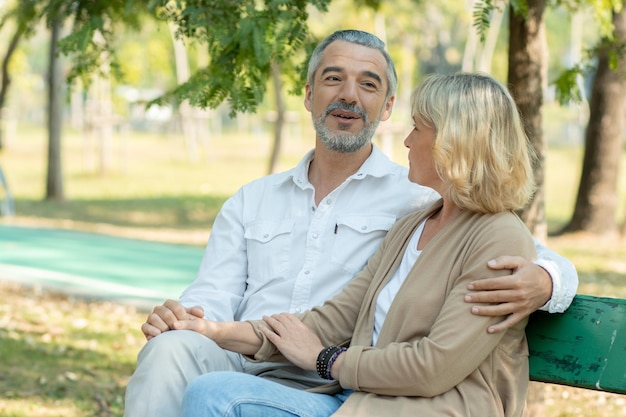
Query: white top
[
  {"x": 272, "y": 250},
  {"x": 388, "y": 293}
]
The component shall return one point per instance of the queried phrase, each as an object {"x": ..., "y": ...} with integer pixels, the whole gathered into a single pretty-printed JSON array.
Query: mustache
[{"x": 340, "y": 105}]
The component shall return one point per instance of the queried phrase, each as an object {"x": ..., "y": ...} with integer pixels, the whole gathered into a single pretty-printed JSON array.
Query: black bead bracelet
[{"x": 325, "y": 360}]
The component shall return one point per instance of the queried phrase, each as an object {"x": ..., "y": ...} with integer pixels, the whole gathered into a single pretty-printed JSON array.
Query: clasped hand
[{"x": 168, "y": 316}]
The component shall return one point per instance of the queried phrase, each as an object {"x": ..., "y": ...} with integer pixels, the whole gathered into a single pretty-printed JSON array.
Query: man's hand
[
  {"x": 515, "y": 296},
  {"x": 164, "y": 316}
]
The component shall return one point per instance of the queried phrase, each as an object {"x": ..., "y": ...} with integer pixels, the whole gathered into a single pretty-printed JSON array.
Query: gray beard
[{"x": 344, "y": 142}]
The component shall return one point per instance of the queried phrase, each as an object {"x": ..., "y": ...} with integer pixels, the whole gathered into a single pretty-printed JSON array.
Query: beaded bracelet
[
  {"x": 332, "y": 360},
  {"x": 325, "y": 360}
]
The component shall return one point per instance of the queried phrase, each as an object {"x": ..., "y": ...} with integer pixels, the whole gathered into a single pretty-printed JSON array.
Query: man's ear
[
  {"x": 386, "y": 113},
  {"x": 308, "y": 92}
]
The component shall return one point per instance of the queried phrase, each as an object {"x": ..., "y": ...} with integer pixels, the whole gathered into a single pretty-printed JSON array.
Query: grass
[{"x": 61, "y": 356}]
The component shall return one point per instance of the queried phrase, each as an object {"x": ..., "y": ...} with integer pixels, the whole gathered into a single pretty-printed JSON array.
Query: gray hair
[{"x": 360, "y": 38}]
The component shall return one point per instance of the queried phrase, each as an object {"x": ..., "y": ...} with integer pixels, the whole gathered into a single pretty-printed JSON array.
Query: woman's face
[{"x": 420, "y": 142}]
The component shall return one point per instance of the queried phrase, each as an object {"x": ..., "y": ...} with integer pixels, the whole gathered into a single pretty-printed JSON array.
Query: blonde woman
[{"x": 398, "y": 341}]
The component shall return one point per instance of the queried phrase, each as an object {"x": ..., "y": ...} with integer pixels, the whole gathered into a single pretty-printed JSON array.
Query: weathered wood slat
[{"x": 584, "y": 347}]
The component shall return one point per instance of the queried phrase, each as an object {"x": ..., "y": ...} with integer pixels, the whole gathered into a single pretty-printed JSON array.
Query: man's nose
[{"x": 348, "y": 92}]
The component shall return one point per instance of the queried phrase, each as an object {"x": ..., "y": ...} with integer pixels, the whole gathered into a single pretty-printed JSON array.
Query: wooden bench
[{"x": 584, "y": 347}]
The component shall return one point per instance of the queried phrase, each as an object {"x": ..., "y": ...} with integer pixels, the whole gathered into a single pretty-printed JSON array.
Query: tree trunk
[
  {"x": 6, "y": 78},
  {"x": 185, "y": 111},
  {"x": 486, "y": 53},
  {"x": 103, "y": 128},
  {"x": 471, "y": 45},
  {"x": 597, "y": 201},
  {"x": 54, "y": 184},
  {"x": 527, "y": 79},
  {"x": 279, "y": 123},
  {"x": 478, "y": 56}
]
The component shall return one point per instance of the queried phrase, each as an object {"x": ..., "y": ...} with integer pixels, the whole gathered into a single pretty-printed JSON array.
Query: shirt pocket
[
  {"x": 268, "y": 244},
  {"x": 357, "y": 237}
]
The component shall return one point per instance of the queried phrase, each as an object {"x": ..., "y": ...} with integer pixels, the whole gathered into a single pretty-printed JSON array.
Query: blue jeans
[{"x": 231, "y": 394}]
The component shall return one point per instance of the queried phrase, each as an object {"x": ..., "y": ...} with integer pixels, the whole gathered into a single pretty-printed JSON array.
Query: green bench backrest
[{"x": 584, "y": 347}]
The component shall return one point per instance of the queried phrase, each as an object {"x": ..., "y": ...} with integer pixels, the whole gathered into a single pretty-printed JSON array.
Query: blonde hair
[{"x": 481, "y": 149}]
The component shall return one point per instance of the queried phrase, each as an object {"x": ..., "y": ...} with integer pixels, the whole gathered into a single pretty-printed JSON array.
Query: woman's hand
[{"x": 294, "y": 340}]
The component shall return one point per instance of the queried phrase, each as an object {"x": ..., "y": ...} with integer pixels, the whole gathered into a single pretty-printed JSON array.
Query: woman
[{"x": 408, "y": 348}]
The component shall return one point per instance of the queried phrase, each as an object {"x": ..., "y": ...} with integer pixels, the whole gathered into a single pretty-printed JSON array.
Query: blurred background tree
[{"x": 200, "y": 60}]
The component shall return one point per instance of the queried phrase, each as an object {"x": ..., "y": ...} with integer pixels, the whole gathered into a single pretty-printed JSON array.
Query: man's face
[{"x": 348, "y": 97}]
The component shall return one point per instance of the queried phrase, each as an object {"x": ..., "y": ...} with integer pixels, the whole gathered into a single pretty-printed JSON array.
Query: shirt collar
[{"x": 376, "y": 165}]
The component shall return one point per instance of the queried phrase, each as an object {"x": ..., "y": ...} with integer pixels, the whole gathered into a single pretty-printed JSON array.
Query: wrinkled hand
[
  {"x": 294, "y": 340},
  {"x": 515, "y": 296},
  {"x": 164, "y": 316}
]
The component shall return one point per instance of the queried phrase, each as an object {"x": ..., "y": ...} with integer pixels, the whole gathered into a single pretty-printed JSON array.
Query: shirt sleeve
[
  {"x": 564, "y": 278},
  {"x": 221, "y": 280}
]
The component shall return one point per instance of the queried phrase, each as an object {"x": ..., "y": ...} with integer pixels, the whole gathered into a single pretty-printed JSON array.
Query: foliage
[
  {"x": 602, "y": 11},
  {"x": 91, "y": 41},
  {"x": 483, "y": 10},
  {"x": 566, "y": 86},
  {"x": 566, "y": 83},
  {"x": 22, "y": 12},
  {"x": 242, "y": 39},
  {"x": 145, "y": 56},
  {"x": 567, "y": 89},
  {"x": 92, "y": 27}
]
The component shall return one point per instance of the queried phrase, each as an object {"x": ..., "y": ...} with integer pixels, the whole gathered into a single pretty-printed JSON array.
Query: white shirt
[{"x": 272, "y": 250}]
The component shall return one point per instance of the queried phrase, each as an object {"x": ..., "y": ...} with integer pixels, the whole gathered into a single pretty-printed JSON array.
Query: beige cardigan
[{"x": 433, "y": 357}]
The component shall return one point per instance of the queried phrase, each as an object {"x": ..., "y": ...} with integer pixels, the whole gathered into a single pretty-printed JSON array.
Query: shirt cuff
[{"x": 557, "y": 303}]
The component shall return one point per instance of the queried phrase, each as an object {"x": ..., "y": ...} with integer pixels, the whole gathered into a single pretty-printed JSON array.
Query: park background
[{"x": 135, "y": 173}]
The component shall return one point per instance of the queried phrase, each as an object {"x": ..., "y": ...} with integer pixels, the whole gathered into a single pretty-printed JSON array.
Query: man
[{"x": 288, "y": 242}]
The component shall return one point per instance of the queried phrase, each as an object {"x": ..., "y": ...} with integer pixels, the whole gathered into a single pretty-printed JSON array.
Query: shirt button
[
  {"x": 298, "y": 309},
  {"x": 315, "y": 235},
  {"x": 307, "y": 272},
  {"x": 266, "y": 235},
  {"x": 363, "y": 227},
  {"x": 329, "y": 201}
]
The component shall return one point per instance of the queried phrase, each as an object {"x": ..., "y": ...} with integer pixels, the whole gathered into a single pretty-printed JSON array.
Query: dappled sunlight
[{"x": 35, "y": 406}]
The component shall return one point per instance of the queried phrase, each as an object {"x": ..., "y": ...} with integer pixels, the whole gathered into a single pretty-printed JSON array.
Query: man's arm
[
  {"x": 219, "y": 285},
  {"x": 236, "y": 336},
  {"x": 221, "y": 280},
  {"x": 548, "y": 284}
]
